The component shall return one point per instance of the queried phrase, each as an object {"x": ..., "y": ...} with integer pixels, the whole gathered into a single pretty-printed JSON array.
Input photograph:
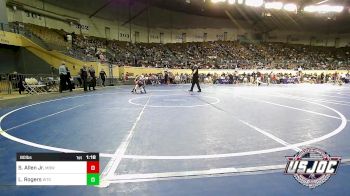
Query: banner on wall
[
  {"x": 83, "y": 25},
  {"x": 154, "y": 36},
  {"x": 124, "y": 35},
  {"x": 179, "y": 37},
  {"x": 220, "y": 37}
]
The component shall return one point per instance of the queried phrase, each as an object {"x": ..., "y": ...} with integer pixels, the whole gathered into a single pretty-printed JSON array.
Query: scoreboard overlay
[{"x": 57, "y": 169}]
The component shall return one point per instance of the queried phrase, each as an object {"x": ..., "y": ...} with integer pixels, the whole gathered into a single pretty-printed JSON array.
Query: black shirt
[
  {"x": 102, "y": 74},
  {"x": 195, "y": 75},
  {"x": 83, "y": 74}
]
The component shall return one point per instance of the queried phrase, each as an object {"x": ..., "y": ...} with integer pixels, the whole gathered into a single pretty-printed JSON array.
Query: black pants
[
  {"x": 69, "y": 83},
  {"x": 197, "y": 83},
  {"x": 80, "y": 82},
  {"x": 103, "y": 81},
  {"x": 85, "y": 83},
  {"x": 20, "y": 87},
  {"x": 62, "y": 82},
  {"x": 92, "y": 83}
]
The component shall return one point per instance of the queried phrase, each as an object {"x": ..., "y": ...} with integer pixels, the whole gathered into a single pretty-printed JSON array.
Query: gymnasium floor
[{"x": 227, "y": 140}]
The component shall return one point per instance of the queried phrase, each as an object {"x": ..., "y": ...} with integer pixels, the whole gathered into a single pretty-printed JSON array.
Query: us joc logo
[{"x": 312, "y": 167}]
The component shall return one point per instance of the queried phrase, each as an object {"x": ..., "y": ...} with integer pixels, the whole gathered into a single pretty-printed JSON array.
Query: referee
[{"x": 195, "y": 79}]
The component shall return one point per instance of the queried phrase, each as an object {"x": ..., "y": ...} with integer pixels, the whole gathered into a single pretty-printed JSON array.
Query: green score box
[{"x": 92, "y": 179}]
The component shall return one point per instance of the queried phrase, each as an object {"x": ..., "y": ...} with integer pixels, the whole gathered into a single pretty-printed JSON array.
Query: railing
[
  {"x": 19, "y": 29},
  {"x": 5, "y": 86},
  {"x": 9, "y": 82},
  {"x": 36, "y": 40},
  {"x": 6, "y": 27}
]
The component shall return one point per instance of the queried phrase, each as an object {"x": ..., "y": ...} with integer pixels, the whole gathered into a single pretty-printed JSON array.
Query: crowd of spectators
[
  {"x": 219, "y": 55},
  {"x": 252, "y": 78},
  {"x": 88, "y": 48},
  {"x": 209, "y": 55}
]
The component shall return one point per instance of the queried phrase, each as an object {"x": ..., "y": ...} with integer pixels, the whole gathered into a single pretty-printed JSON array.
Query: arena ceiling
[{"x": 256, "y": 17}]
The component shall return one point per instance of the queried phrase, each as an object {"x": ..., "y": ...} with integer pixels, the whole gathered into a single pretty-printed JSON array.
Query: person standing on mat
[
  {"x": 103, "y": 76},
  {"x": 93, "y": 77},
  {"x": 68, "y": 77},
  {"x": 84, "y": 77},
  {"x": 195, "y": 79},
  {"x": 166, "y": 77},
  {"x": 62, "y": 70}
]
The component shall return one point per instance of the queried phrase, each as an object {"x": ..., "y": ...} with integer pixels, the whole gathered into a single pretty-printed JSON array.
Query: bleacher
[
  {"x": 55, "y": 38},
  {"x": 218, "y": 54}
]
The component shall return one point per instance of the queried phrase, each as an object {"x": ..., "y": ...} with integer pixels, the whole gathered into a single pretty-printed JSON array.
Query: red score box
[{"x": 93, "y": 167}]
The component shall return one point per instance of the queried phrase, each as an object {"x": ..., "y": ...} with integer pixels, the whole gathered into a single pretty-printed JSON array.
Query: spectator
[
  {"x": 84, "y": 76},
  {"x": 68, "y": 77},
  {"x": 62, "y": 70},
  {"x": 93, "y": 78},
  {"x": 103, "y": 76}
]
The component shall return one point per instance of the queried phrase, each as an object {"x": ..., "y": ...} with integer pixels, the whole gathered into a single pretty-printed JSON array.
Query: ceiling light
[
  {"x": 240, "y": 1},
  {"x": 254, "y": 3},
  {"x": 290, "y": 7},
  {"x": 323, "y": 8},
  {"x": 322, "y": 2},
  {"x": 218, "y": 1},
  {"x": 274, "y": 5}
]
